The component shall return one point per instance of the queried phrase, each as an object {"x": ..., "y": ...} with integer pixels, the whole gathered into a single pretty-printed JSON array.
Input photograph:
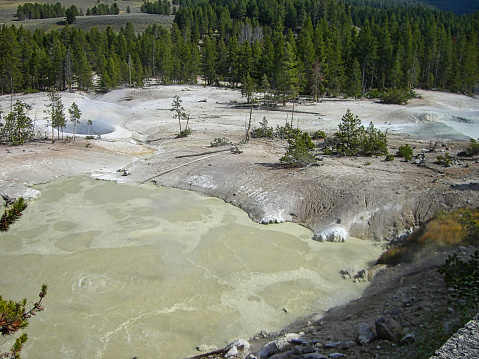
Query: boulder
[
  {"x": 286, "y": 355},
  {"x": 409, "y": 338},
  {"x": 333, "y": 233},
  {"x": 282, "y": 344},
  {"x": 388, "y": 329},
  {"x": 332, "y": 344},
  {"x": 375, "y": 270},
  {"x": 232, "y": 352},
  {"x": 364, "y": 334},
  {"x": 240, "y": 344},
  {"x": 206, "y": 348}
]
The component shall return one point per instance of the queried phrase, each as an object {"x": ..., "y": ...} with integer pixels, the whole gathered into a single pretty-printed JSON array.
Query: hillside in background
[{"x": 459, "y": 7}]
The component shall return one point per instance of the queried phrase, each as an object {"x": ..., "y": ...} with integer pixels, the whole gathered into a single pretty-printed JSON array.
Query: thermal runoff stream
[{"x": 137, "y": 270}]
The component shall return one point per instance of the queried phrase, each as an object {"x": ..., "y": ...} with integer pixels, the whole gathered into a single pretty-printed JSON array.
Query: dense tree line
[
  {"x": 30, "y": 11},
  {"x": 103, "y": 9},
  {"x": 156, "y": 7},
  {"x": 289, "y": 47}
]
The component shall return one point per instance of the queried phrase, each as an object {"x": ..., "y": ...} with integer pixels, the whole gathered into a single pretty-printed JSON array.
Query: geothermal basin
[{"x": 137, "y": 270}]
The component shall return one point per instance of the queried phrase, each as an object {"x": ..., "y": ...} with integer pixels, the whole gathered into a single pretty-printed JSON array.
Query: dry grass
[
  {"x": 139, "y": 20},
  {"x": 444, "y": 230}
]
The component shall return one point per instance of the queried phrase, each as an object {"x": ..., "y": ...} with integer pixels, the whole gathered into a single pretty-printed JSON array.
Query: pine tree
[
  {"x": 247, "y": 87},
  {"x": 232, "y": 61},
  {"x": 350, "y": 134},
  {"x": 14, "y": 317},
  {"x": 353, "y": 87},
  {"x": 316, "y": 80},
  {"x": 18, "y": 126},
  {"x": 287, "y": 76},
  {"x": 179, "y": 112},
  {"x": 75, "y": 115},
  {"x": 55, "y": 112},
  {"x": 208, "y": 61},
  {"x": 265, "y": 88},
  {"x": 10, "y": 73}
]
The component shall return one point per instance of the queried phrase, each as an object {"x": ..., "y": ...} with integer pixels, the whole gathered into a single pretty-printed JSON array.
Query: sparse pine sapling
[{"x": 75, "y": 115}]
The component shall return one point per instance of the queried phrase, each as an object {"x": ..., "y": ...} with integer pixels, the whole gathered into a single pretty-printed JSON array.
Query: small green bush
[
  {"x": 318, "y": 135},
  {"x": 396, "y": 96},
  {"x": 183, "y": 133},
  {"x": 463, "y": 276},
  {"x": 470, "y": 227},
  {"x": 328, "y": 151},
  {"x": 298, "y": 153},
  {"x": 473, "y": 148},
  {"x": 287, "y": 132},
  {"x": 353, "y": 138},
  {"x": 263, "y": 131},
  {"x": 405, "y": 151},
  {"x": 375, "y": 93},
  {"x": 445, "y": 160},
  {"x": 389, "y": 158},
  {"x": 220, "y": 142}
]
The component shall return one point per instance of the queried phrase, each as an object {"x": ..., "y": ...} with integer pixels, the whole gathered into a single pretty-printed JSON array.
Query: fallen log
[{"x": 232, "y": 149}]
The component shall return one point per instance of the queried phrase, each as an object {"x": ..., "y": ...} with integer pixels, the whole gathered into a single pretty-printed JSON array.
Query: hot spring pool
[{"x": 152, "y": 272}]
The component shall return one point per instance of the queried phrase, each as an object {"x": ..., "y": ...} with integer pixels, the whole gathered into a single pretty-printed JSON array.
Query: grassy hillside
[
  {"x": 139, "y": 20},
  {"x": 459, "y": 7}
]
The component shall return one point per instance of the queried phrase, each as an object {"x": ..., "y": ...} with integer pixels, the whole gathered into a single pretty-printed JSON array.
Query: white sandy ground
[
  {"x": 142, "y": 122},
  {"x": 143, "y": 140},
  {"x": 144, "y": 114}
]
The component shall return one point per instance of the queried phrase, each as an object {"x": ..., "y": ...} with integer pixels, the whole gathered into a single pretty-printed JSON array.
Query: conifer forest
[{"x": 349, "y": 48}]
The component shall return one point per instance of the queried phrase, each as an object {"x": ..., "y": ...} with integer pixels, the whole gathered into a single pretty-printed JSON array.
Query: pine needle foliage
[
  {"x": 14, "y": 317},
  {"x": 12, "y": 214},
  {"x": 298, "y": 153},
  {"x": 354, "y": 139}
]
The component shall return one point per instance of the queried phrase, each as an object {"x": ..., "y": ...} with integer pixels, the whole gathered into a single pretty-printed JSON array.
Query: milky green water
[{"x": 152, "y": 272}]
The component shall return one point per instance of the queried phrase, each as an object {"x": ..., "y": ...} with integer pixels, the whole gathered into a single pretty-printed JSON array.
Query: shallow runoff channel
[{"x": 137, "y": 270}]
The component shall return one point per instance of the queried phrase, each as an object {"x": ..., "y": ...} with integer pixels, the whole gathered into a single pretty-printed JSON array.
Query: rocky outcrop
[
  {"x": 463, "y": 344},
  {"x": 388, "y": 329},
  {"x": 340, "y": 198},
  {"x": 364, "y": 334}
]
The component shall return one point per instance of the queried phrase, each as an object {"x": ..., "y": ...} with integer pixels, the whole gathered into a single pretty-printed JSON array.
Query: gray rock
[
  {"x": 364, "y": 334},
  {"x": 336, "y": 355},
  {"x": 285, "y": 355},
  {"x": 304, "y": 349},
  {"x": 331, "y": 344},
  {"x": 232, "y": 352},
  {"x": 409, "y": 338},
  {"x": 206, "y": 348},
  {"x": 299, "y": 341},
  {"x": 239, "y": 343},
  {"x": 374, "y": 270},
  {"x": 463, "y": 344},
  {"x": 348, "y": 344},
  {"x": 277, "y": 346},
  {"x": 388, "y": 329},
  {"x": 313, "y": 356}
]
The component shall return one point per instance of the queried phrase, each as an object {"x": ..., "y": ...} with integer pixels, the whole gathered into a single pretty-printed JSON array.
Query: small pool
[{"x": 97, "y": 127}]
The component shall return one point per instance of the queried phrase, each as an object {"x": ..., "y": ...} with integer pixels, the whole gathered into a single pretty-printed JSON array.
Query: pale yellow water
[{"x": 152, "y": 272}]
